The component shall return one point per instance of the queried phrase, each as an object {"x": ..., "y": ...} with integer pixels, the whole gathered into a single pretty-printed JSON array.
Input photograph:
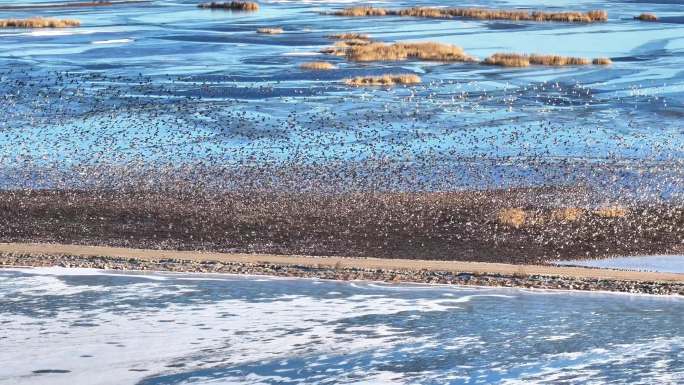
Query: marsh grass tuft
[
  {"x": 525, "y": 60},
  {"x": 602, "y": 61},
  {"x": 508, "y": 60},
  {"x": 351, "y": 43},
  {"x": 270, "y": 31},
  {"x": 401, "y": 51},
  {"x": 556, "y": 60},
  {"x": 39, "y": 22},
  {"x": 383, "y": 80},
  {"x": 233, "y": 5},
  {"x": 349, "y": 36},
  {"x": 567, "y": 214},
  {"x": 362, "y": 11},
  {"x": 611, "y": 212},
  {"x": 512, "y": 217},
  {"x": 646, "y": 17},
  {"x": 317, "y": 66},
  {"x": 478, "y": 13}
]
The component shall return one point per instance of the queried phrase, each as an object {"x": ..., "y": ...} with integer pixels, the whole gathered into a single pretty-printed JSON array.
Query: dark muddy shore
[{"x": 465, "y": 226}]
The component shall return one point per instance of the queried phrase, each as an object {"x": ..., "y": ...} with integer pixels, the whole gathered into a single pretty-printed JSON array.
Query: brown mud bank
[
  {"x": 523, "y": 226},
  {"x": 340, "y": 268}
]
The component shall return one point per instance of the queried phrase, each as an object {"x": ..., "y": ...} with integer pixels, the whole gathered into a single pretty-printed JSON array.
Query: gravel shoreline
[{"x": 343, "y": 274}]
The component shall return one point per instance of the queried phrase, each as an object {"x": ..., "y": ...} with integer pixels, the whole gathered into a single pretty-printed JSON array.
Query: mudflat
[{"x": 523, "y": 226}]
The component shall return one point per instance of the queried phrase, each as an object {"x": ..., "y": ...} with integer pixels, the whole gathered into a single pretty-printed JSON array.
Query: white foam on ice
[
  {"x": 113, "y": 41},
  {"x": 232, "y": 331}
]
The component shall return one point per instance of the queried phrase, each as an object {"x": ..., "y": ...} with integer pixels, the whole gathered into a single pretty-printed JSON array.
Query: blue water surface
[
  {"x": 62, "y": 326},
  {"x": 164, "y": 82}
]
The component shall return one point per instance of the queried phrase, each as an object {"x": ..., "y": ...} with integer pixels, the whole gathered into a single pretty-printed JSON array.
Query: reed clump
[
  {"x": 39, "y": 22},
  {"x": 383, "y": 80},
  {"x": 362, "y": 11},
  {"x": 349, "y": 36},
  {"x": 478, "y": 13},
  {"x": 646, "y": 17},
  {"x": 270, "y": 31},
  {"x": 556, "y": 60},
  {"x": 341, "y": 47},
  {"x": 401, "y": 51},
  {"x": 232, "y": 5},
  {"x": 602, "y": 61},
  {"x": 611, "y": 212},
  {"x": 525, "y": 60},
  {"x": 567, "y": 214},
  {"x": 317, "y": 66},
  {"x": 508, "y": 60},
  {"x": 351, "y": 43},
  {"x": 512, "y": 217}
]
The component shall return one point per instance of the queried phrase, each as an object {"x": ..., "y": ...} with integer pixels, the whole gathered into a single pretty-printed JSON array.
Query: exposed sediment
[
  {"x": 344, "y": 273},
  {"x": 523, "y": 226}
]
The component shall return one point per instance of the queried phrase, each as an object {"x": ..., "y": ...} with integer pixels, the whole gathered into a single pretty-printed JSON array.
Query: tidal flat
[
  {"x": 178, "y": 103},
  {"x": 524, "y": 134}
]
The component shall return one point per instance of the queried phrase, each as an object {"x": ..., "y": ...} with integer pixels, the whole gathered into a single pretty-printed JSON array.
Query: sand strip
[{"x": 341, "y": 262}]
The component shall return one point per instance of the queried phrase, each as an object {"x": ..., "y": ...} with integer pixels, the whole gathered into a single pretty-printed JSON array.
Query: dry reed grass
[
  {"x": 352, "y": 42},
  {"x": 317, "y": 66},
  {"x": 39, "y": 22},
  {"x": 646, "y": 17},
  {"x": 478, "y": 13},
  {"x": 341, "y": 47},
  {"x": 270, "y": 31},
  {"x": 524, "y": 60},
  {"x": 362, "y": 11},
  {"x": 233, "y": 5},
  {"x": 512, "y": 217},
  {"x": 556, "y": 60},
  {"x": 383, "y": 80},
  {"x": 567, "y": 214},
  {"x": 611, "y": 212},
  {"x": 349, "y": 36},
  {"x": 602, "y": 61},
  {"x": 508, "y": 60},
  {"x": 402, "y": 51},
  {"x": 517, "y": 217}
]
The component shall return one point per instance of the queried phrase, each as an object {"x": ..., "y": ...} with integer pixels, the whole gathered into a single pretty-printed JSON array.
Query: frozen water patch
[
  {"x": 653, "y": 263},
  {"x": 111, "y": 328},
  {"x": 302, "y": 53}
]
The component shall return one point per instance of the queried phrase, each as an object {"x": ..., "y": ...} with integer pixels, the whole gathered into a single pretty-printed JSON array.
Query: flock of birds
[
  {"x": 267, "y": 157},
  {"x": 73, "y": 130},
  {"x": 94, "y": 129}
]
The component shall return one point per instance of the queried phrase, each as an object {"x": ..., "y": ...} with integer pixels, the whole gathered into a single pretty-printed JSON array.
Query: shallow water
[
  {"x": 77, "y": 326},
  {"x": 167, "y": 83},
  {"x": 660, "y": 263}
]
